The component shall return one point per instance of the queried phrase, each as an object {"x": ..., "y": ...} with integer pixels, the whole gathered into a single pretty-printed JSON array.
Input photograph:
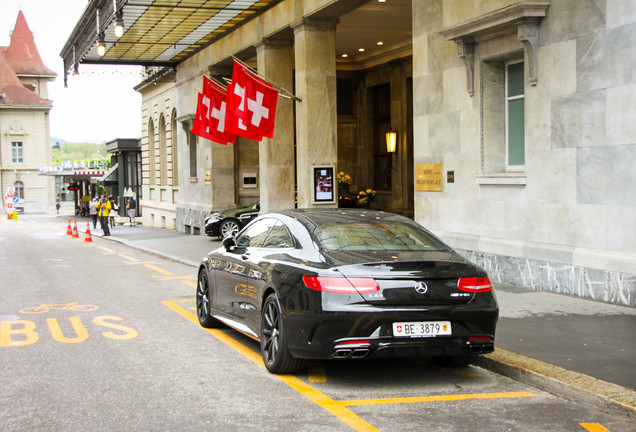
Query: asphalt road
[{"x": 99, "y": 336}]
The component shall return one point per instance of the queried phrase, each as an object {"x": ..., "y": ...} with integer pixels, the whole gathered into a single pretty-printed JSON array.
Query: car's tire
[
  {"x": 203, "y": 302},
  {"x": 454, "y": 360},
  {"x": 229, "y": 225},
  {"x": 274, "y": 340}
]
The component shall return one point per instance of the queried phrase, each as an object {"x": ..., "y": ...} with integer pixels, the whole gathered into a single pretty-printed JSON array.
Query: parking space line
[
  {"x": 316, "y": 372},
  {"x": 165, "y": 278},
  {"x": 105, "y": 248},
  {"x": 337, "y": 408},
  {"x": 322, "y": 400},
  {"x": 192, "y": 284},
  {"x": 160, "y": 270},
  {"x": 594, "y": 427},
  {"x": 129, "y": 258},
  {"x": 438, "y": 398}
]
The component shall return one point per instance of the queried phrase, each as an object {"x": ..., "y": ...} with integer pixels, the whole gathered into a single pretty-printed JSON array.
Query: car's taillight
[
  {"x": 341, "y": 285},
  {"x": 475, "y": 284}
]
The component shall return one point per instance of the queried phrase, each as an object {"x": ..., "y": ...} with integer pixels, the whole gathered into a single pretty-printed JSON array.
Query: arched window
[
  {"x": 152, "y": 169},
  {"x": 163, "y": 157},
  {"x": 174, "y": 148},
  {"x": 19, "y": 189}
]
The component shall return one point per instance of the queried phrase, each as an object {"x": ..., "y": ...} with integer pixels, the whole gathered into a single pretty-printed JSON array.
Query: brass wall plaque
[{"x": 428, "y": 177}]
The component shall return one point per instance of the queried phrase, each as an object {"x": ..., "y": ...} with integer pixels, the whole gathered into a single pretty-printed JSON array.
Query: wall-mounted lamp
[
  {"x": 119, "y": 23},
  {"x": 76, "y": 69},
  {"x": 391, "y": 141}
]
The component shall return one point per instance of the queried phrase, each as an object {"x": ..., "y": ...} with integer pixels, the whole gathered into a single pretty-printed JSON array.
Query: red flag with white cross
[
  {"x": 211, "y": 111},
  {"x": 251, "y": 105}
]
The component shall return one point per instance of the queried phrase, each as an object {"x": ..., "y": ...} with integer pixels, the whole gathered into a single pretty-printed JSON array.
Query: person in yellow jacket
[{"x": 103, "y": 210}]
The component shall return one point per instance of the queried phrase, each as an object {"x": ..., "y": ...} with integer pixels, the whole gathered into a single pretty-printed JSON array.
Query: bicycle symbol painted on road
[{"x": 46, "y": 307}]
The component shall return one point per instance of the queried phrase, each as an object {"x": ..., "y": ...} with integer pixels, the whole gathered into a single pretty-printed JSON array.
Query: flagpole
[
  {"x": 215, "y": 81},
  {"x": 286, "y": 94}
]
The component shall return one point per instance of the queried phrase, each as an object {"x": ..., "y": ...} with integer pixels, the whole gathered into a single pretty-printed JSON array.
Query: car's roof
[{"x": 314, "y": 217}]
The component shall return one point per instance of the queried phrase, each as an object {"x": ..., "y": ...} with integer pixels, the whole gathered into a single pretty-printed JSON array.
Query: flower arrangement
[
  {"x": 365, "y": 197},
  {"x": 344, "y": 181}
]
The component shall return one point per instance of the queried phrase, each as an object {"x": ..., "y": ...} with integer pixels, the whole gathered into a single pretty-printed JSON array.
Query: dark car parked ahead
[
  {"x": 346, "y": 284},
  {"x": 231, "y": 220}
]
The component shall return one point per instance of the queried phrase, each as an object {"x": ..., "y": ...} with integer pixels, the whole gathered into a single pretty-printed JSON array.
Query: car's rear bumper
[{"x": 369, "y": 333}]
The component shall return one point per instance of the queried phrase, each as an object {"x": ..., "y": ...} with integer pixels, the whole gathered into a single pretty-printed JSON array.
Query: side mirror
[{"x": 229, "y": 241}]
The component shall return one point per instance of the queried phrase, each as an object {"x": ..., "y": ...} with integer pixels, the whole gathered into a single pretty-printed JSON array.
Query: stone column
[
  {"x": 316, "y": 116},
  {"x": 276, "y": 155}
]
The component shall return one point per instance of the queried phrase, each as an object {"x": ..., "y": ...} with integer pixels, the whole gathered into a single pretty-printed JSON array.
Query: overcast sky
[{"x": 100, "y": 104}]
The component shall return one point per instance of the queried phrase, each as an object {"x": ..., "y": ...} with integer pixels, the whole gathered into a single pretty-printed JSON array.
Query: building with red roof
[{"x": 24, "y": 121}]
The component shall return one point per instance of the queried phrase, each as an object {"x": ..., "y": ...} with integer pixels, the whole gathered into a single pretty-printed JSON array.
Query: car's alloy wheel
[
  {"x": 274, "y": 340},
  {"x": 203, "y": 302},
  {"x": 229, "y": 226}
]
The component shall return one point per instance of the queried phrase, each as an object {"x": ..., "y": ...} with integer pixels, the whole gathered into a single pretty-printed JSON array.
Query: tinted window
[
  {"x": 370, "y": 236},
  {"x": 279, "y": 237},
  {"x": 256, "y": 234}
]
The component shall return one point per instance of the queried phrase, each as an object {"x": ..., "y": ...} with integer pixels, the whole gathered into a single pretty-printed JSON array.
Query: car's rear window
[{"x": 372, "y": 236}]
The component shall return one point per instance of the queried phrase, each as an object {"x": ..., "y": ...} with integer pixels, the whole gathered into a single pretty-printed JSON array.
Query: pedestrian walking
[
  {"x": 103, "y": 210},
  {"x": 57, "y": 206},
  {"x": 92, "y": 209},
  {"x": 131, "y": 206},
  {"x": 113, "y": 212}
]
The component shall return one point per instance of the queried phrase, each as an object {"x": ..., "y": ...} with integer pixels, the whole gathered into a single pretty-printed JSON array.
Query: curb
[{"x": 574, "y": 386}]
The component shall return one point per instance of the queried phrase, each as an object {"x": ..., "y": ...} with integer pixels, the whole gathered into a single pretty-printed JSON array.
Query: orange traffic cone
[
  {"x": 69, "y": 231},
  {"x": 88, "y": 237},
  {"x": 75, "y": 235}
]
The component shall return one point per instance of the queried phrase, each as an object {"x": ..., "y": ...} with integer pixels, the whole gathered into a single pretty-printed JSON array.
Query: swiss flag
[
  {"x": 251, "y": 105},
  {"x": 211, "y": 112}
]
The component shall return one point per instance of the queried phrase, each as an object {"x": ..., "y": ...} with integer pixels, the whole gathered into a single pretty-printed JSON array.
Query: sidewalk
[{"x": 579, "y": 349}]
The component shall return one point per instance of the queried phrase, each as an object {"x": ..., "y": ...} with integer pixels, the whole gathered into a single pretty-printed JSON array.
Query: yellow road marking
[
  {"x": 316, "y": 372},
  {"x": 439, "y": 398},
  {"x": 464, "y": 373},
  {"x": 160, "y": 270},
  {"x": 129, "y": 258},
  {"x": 336, "y": 408},
  {"x": 192, "y": 284},
  {"x": 309, "y": 392},
  {"x": 594, "y": 427},
  {"x": 164, "y": 278},
  {"x": 106, "y": 249}
]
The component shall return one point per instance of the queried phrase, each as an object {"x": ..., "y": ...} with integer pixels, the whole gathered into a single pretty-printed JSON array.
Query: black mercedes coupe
[{"x": 346, "y": 284}]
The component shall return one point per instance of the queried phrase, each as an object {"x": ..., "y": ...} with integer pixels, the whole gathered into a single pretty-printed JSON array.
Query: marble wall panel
[
  {"x": 578, "y": 120},
  {"x": 598, "y": 70},
  {"x": 621, "y": 115},
  {"x": 606, "y": 286},
  {"x": 429, "y": 97},
  {"x": 575, "y": 18},
  {"x": 445, "y": 133},
  {"x": 551, "y": 175},
  {"x": 619, "y": 13},
  {"x": 606, "y": 175}
]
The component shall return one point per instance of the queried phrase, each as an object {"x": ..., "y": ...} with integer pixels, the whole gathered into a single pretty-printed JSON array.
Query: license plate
[{"x": 421, "y": 329}]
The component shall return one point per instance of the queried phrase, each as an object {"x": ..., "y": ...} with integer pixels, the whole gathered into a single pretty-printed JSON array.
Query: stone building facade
[
  {"x": 530, "y": 104},
  {"x": 24, "y": 121},
  {"x": 527, "y": 106}
]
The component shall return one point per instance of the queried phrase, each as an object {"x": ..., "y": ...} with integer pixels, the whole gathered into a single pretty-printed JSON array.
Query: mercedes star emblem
[{"x": 421, "y": 287}]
